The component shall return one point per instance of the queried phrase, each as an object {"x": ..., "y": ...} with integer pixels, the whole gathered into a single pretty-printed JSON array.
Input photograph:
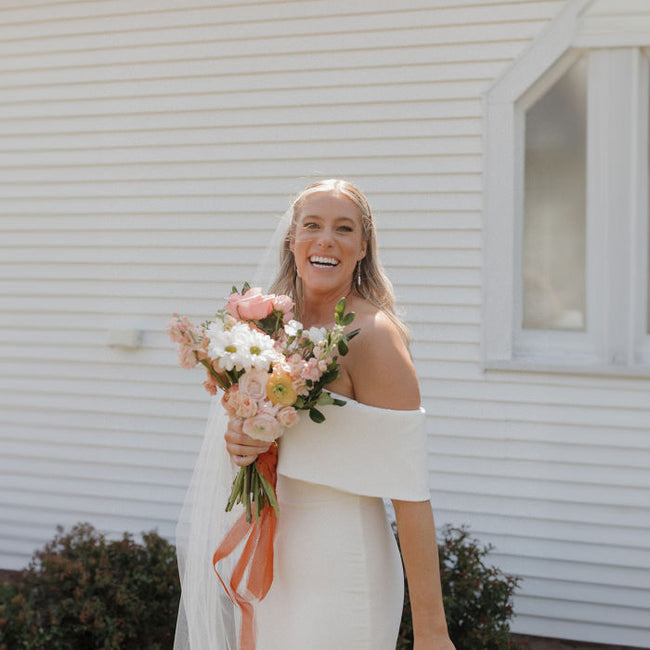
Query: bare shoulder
[{"x": 379, "y": 363}]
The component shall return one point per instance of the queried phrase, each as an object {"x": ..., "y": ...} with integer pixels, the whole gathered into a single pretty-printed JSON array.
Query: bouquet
[{"x": 269, "y": 368}]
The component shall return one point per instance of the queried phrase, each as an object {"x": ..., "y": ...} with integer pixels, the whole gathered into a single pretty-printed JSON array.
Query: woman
[{"x": 338, "y": 580}]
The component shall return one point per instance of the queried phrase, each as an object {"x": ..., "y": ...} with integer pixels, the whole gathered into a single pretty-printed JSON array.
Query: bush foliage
[
  {"x": 477, "y": 597},
  {"x": 82, "y": 591}
]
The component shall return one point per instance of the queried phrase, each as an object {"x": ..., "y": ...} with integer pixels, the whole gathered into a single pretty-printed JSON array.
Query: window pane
[{"x": 554, "y": 293}]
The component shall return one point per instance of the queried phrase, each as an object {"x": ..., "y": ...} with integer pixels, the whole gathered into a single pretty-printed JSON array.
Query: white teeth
[{"x": 323, "y": 261}]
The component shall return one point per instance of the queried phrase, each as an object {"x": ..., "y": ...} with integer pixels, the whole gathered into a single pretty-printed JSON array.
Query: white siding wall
[
  {"x": 628, "y": 15},
  {"x": 146, "y": 149}
]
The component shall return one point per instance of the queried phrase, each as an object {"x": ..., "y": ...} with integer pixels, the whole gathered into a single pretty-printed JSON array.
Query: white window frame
[{"x": 616, "y": 339}]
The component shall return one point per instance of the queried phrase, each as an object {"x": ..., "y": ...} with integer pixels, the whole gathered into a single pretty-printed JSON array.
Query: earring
[{"x": 359, "y": 273}]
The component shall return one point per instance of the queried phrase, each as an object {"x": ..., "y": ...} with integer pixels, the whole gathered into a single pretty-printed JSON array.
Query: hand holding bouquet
[{"x": 269, "y": 368}]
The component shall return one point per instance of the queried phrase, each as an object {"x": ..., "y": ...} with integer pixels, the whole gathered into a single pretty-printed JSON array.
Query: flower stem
[
  {"x": 235, "y": 494},
  {"x": 247, "y": 493},
  {"x": 223, "y": 383},
  {"x": 270, "y": 494}
]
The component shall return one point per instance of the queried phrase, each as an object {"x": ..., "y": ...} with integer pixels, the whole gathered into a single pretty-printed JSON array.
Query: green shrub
[
  {"x": 82, "y": 591},
  {"x": 477, "y": 597}
]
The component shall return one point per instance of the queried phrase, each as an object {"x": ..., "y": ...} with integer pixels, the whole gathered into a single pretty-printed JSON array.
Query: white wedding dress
[{"x": 338, "y": 580}]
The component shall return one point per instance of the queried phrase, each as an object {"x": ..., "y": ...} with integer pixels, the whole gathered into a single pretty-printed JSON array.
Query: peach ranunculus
[
  {"x": 269, "y": 408},
  {"x": 253, "y": 383},
  {"x": 262, "y": 427},
  {"x": 280, "y": 390},
  {"x": 247, "y": 407},
  {"x": 287, "y": 416},
  {"x": 253, "y": 305}
]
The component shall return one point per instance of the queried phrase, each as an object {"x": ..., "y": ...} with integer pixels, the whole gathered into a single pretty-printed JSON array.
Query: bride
[{"x": 338, "y": 582}]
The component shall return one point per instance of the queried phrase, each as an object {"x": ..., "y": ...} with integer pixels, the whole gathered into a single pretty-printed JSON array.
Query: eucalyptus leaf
[
  {"x": 325, "y": 398},
  {"x": 316, "y": 415},
  {"x": 352, "y": 334}
]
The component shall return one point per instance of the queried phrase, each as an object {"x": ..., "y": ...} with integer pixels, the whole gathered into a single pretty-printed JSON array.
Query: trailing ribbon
[{"x": 257, "y": 555}]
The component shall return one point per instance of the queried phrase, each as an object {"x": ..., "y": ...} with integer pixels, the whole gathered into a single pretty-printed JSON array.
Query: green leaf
[
  {"x": 352, "y": 334},
  {"x": 245, "y": 288},
  {"x": 339, "y": 402},
  {"x": 348, "y": 318},
  {"x": 316, "y": 415},
  {"x": 329, "y": 376},
  {"x": 343, "y": 347},
  {"x": 325, "y": 398},
  {"x": 339, "y": 310},
  {"x": 300, "y": 403}
]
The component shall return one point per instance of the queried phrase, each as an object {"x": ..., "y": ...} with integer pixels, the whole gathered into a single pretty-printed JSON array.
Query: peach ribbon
[{"x": 257, "y": 555}]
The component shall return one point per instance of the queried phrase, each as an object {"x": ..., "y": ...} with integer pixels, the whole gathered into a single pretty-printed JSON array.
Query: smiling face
[{"x": 328, "y": 242}]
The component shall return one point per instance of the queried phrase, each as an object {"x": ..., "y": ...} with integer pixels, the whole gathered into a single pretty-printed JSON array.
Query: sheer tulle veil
[
  {"x": 207, "y": 619},
  {"x": 268, "y": 267}
]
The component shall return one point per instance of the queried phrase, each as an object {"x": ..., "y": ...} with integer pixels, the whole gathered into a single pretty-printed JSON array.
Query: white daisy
[
  {"x": 261, "y": 350},
  {"x": 240, "y": 347}
]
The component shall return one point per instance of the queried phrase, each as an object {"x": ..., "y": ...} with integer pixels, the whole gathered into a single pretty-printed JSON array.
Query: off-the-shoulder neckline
[{"x": 375, "y": 408}]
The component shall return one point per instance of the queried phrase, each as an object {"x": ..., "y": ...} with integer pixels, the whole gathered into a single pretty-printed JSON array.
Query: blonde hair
[{"x": 375, "y": 286}]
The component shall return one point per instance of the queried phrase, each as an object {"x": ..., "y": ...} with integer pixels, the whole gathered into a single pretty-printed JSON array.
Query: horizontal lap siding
[
  {"x": 615, "y": 23},
  {"x": 144, "y": 159}
]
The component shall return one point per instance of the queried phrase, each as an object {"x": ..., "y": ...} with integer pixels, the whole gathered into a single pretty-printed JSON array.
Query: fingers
[
  {"x": 243, "y": 460},
  {"x": 243, "y": 449},
  {"x": 237, "y": 439},
  {"x": 235, "y": 426}
]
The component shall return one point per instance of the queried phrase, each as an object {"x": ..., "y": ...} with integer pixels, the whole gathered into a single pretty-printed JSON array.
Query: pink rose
[
  {"x": 251, "y": 306},
  {"x": 246, "y": 408},
  {"x": 253, "y": 383},
  {"x": 262, "y": 427},
  {"x": 287, "y": 416}
]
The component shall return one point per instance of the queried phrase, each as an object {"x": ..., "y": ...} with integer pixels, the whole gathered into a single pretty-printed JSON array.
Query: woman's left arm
[
  {"x": 383, "y": 375},
  {"x": 417, "y": 536}
]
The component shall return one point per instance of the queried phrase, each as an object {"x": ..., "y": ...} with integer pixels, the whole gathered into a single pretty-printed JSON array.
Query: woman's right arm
[{"x": 243, "y": 449}]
